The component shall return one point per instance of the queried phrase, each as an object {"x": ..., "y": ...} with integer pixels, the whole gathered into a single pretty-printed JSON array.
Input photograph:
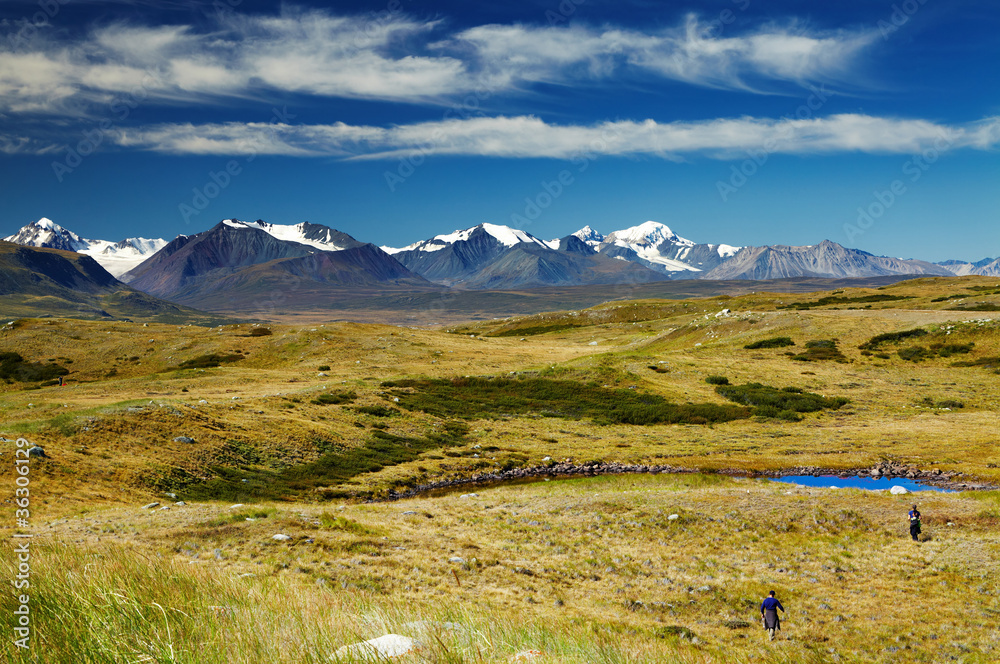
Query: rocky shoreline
[{"x": 945, "y": 479}]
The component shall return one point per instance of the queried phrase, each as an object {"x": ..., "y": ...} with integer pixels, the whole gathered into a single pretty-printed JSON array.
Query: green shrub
[
  {"x": 891, "y": 338},
  {"x": 378, "y": 411},
  {"x": 475, "y": 398},
  {"x": 334, "y": 398},
  {"x": 209, "y": 361},
  {"x": 914, "y": 353},
  {"x": 947, "y": 350},
  {"x": 14, "y": 367},
  {"x": 785, "y": 404},
  {"x": 987, "y": 362},
  {"x": 819, "y": 350},
  {"x": 773, "y": 342},
  {"x": 717, "y": 380},
  {"x": 323, "y": 367},
  {"x": 982, "y": 306},
  {"x": 824, "y": 301}
]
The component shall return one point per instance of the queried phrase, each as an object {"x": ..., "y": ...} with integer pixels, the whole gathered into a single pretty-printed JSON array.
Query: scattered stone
[
  {"x": 165, "y": 507},
  {"x": 409, "y": 513},
  {"x": 457, "y": 559},
  {"x": 469, "y": 495},
  {"x": 38, "y": 452},
  {"x": 379, "y": 649},
  {"x": 183, "y": 439},
  {"x": 898, "y": 490},
  {"x": 280, "y": 538},
  {"x": 168, "y": 494},
  {"x": 150, "y": 506},
  {"x": 673, "y": 517},
  {"x": 180, "y": 503}
]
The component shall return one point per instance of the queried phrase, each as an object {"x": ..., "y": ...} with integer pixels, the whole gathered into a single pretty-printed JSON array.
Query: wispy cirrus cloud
[
  {"x": 528, "y": 136},
  {"x": 395, "y": 58},
  {"x": 693, "y": 52}
]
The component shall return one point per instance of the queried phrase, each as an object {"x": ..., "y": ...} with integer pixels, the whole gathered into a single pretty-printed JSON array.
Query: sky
[{"x": 744, "y": 122}]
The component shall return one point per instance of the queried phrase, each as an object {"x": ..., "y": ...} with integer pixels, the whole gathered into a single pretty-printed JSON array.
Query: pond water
[{"x": 856, "y": 482}]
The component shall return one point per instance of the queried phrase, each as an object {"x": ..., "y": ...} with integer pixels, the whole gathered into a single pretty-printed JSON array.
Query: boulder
[
  {"x": 380, "y": 649},
  {"x": 183, "y": 439},
  {"x": 37, "y": 452},
  {"x": 280, "y": 538},
  {"x": 898, "y": 490}
]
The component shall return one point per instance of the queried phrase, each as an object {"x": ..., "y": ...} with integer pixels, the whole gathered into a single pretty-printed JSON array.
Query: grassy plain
[{"x": 586, "y": 570}]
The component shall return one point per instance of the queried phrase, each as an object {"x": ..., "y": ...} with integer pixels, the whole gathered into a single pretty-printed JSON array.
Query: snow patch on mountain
[
  {"x": 648, "y": 234},
  {"x": 506, "y": 235},
  {"x": 115, "y": 257},
  {"x": 289, "y": 233}
]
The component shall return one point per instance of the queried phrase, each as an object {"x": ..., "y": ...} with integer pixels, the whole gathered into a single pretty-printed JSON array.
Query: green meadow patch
[
  {"x": 253, "y": 483},
  {"x": 785, "y": 404},
  {"x": 876, "y": 342},
  {"x": 825, "y": 301},
  {"x": 773, "y": 342},
  {"x": 476, "y": 398},
  {"x": 13, "y": 367}
]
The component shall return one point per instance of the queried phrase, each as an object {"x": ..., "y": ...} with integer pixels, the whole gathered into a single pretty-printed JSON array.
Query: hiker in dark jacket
[
  {"x": 914, "y": 523},
  {"x": 769, "y": 614}
]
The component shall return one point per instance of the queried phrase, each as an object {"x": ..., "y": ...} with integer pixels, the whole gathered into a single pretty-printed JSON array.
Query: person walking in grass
[
  {"x": 914, "y": 523},
  {"x": 769, "y": 614}
]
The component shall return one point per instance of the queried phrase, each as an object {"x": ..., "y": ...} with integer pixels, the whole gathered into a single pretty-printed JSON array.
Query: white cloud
[
  {"x": 693, "y": 52},
  {"x": 393, "y": 57},
  {"x": 528, "y": 136}
]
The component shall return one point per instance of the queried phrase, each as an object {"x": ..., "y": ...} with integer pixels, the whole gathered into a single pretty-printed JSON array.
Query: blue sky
[{"x": 876, "y": 125}]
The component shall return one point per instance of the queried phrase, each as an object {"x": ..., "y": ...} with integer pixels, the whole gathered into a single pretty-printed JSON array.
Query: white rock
[
  {"x": 280, "y": 538},
  {"x": 381, "y": 648},
  {"x": 150, "y": 506},
  {"x": 469, "y": 495},
  {"x": 457, "y": 559},
  {"x": 232, "y": 507},
  {"x": 897, "y": 490},
  {"x": 592, "y": 343},
  {"x": 673, "y": 517}
]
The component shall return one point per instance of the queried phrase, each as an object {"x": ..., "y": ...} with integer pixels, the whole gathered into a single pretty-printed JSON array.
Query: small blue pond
[{"x": 855, "y": 482}]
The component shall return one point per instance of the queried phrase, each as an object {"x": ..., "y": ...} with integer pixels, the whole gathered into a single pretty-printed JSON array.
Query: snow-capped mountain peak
[
  {"x": 505, "y": 235},
  {"x": 115, "y": 257},
  {"x": 313, "y": 235},
  {"x": 648, "y": 234},
  {"x": 590, "y": 236},
  {"x": 47, "y": 233}
]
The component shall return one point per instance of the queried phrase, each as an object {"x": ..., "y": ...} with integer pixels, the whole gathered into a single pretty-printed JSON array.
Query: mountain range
[
  {"x": 255, "y": 266},
  {"x": 37, "y": 282},
  {"x": 115, "y": 257}
]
